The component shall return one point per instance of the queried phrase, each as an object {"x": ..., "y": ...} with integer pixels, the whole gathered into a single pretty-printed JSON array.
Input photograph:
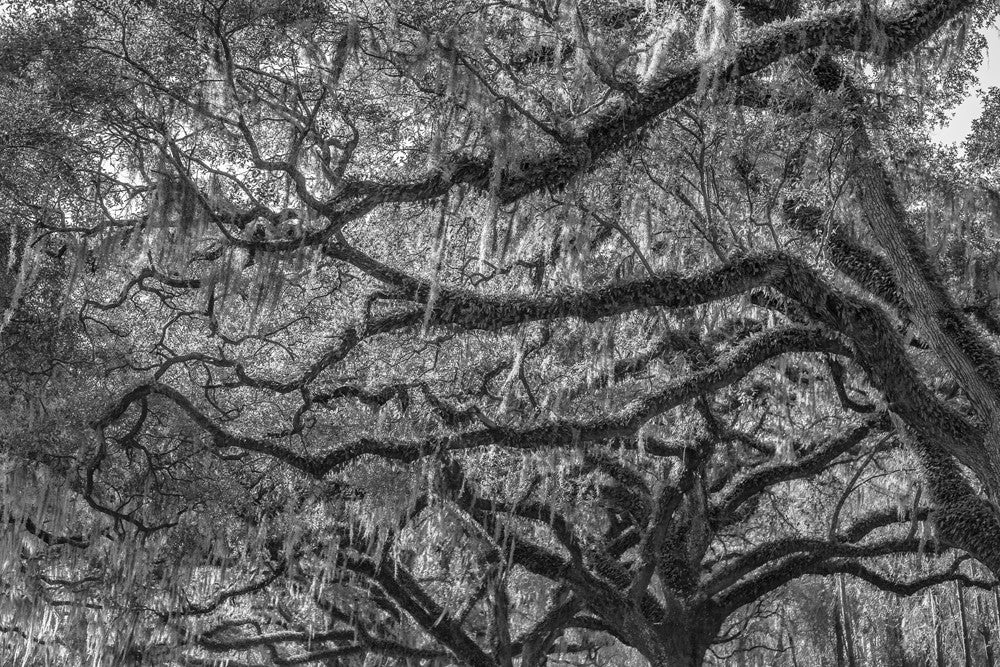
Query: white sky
[{"x": 989, "y": 75}]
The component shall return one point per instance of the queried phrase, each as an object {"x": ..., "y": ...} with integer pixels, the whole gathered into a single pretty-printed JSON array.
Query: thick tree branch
[
  {"x": 728, "y": 369},
  {"x": 890, "y": 34},
  {"x": 756, "y": 480},
  {"x": 812, "y": 561}
]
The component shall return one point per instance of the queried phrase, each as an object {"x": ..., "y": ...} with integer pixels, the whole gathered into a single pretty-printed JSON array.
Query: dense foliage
[{"x": 495, "y": 333}]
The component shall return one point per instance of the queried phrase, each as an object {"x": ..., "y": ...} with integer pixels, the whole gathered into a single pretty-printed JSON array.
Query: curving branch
[
  {"x": 728, "y": 369},
  {"x": 865, "y": 267},
  {"x": 889, "y": 34},
  {"x": 754, "y": 481},
  {"x": 901, "y": 588},
  {"x": 813, "y": 559}
]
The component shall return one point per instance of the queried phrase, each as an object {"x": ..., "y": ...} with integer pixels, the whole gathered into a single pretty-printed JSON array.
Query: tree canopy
[{"x": 457, "y": 332}]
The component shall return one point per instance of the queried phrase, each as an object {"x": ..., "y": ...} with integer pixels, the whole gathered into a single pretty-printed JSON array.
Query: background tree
[{"x": 479, "y": 333}]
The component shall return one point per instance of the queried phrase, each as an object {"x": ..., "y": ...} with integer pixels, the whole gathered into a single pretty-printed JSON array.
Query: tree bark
[
  {"x": 966, "y": 520},
  {"x": 936, "y": 622},
  {"x": 501, "y": 621},
  {"x": 791, "y": 647},
  {"x": 838, "y": 633},
  {"x": 963, "y": 626},
  {"x": 845, "y": 611},
  {"x": 895, "y": 649},
  {"x": 986, "y": 633},
  {"x": 741, "y": 655}
]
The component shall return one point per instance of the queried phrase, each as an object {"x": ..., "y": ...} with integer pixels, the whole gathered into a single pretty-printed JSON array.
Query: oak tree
[{"x": 478, "y": 333}]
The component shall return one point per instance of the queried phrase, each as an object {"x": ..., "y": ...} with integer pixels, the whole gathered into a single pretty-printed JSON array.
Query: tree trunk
[
  {"x": 966, "y": 519},
  {"x": 501, "y": 622},
  {"x": 986, "y": 633},
  {"x": 996, "y": 617},
  {"x": 791, "y": 647},
  {"x": 936, "y": 622},
  {"x": 785, "y": 633},
  {"x": 849, "y": 649},
  {"x": 741, "y": 656},
  {"x": 838, "y": 633},
  {"x": 895, "y": 651},
  {"x": 963, "y": 626}
]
